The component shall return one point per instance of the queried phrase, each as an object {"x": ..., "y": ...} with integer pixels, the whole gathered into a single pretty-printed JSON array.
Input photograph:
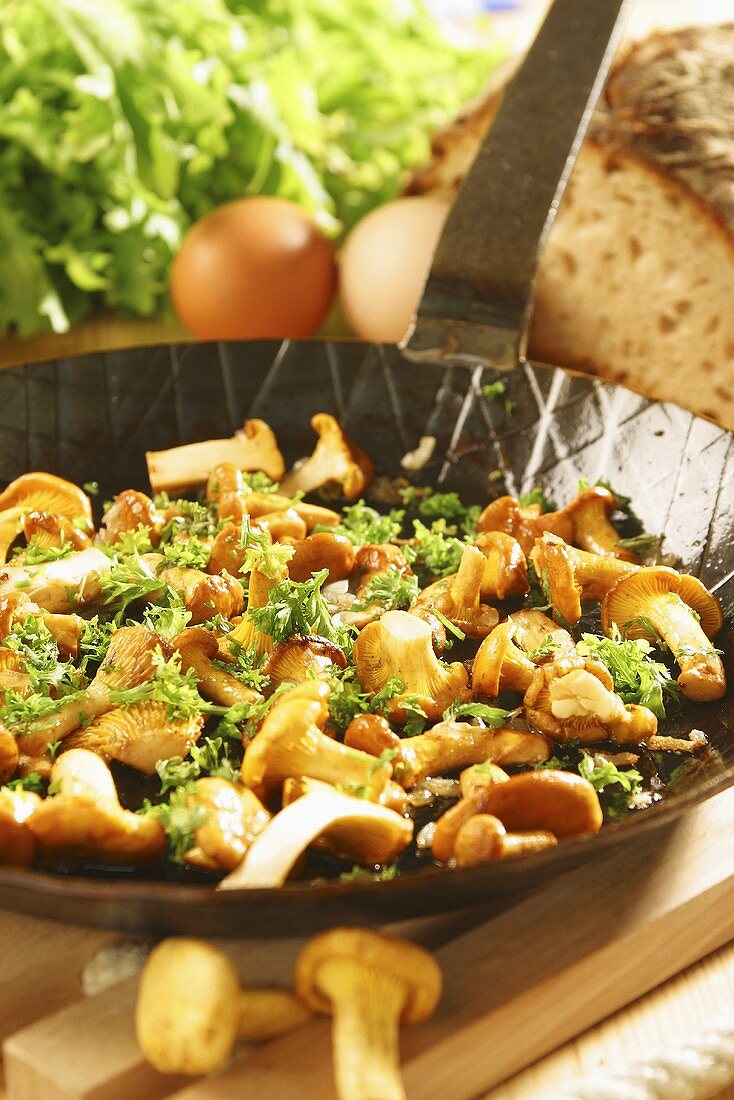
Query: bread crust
[{"x": 666, "y": 123}]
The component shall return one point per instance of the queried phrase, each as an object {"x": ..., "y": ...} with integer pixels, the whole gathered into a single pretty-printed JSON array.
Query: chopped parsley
[
  {"x": 536, "y": 496},
  {"x": 129, "y": 580},
  {"x": 170, "y": 685},
  {"x": 180, "y": 817},
  {"x": 490, "y": 716},
  {"x": 615, "y": 786},
  {"x": 190, "y": 519},
  {"x": 364, "y": 526},
  {"x": 269, "y": 558},
  {"x": 393, "y": 591},
  {"x": 95, "y": 639},
  {"x": 30, "y": 782},
  {"x": 494, "y": 390},
  {"x": 416, "y": 717},
  {"x": 258, "y": 482},
  {"x": 540, "y": 589},
  {"x": 169, "y": 617},
  {"x": 246, "y": 666},
  {"x": 209, "y": 757},
  {"x": 638, "y": 678},
  {"x": 297, "y": 607},
  {"x": 52, "y": 682},
  {"x": 135, "y": 541},
  {"x": 363, "y": 874},
  {"x": 450, "y": 506},
  {"x": 347, "y": 699},
  {"x": 189, "y": 554},
  {"x": 642, "y": 544},
  {"x": 603, "y": 775},
  {"x": 33, "y": 554},
  {"x": 546, "y": 649},
  {"x": 434, "y": 552}
]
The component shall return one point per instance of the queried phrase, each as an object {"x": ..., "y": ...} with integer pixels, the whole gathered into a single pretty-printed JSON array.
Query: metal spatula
[{"x": 475, "y": 309}]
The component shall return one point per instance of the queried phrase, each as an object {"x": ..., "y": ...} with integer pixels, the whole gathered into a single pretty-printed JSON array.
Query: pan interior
[{"x": 93, "y": 418}]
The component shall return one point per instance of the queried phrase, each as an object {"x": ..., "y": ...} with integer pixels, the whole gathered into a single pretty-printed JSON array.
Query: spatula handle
[{"x": 475, "y": 308}]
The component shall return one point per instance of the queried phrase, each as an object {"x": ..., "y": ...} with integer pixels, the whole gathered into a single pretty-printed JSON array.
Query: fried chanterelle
[{"x": 294, "y": 686}]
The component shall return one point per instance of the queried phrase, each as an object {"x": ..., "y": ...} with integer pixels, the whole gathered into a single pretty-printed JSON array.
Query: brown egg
[
  {"x": 253, "y": 269},
  {"x": 384, "y": 264}
]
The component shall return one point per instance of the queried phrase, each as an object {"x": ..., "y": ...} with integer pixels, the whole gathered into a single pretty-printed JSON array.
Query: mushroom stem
[
  {"x": 367, "y": 1009},
  {"x": 265, "y": 1013},
  {"x": 659, "y": 602},
  {"x": 451, "y": 745},
  {"x": 191, "y": 1008},
  {"x": 467, "y": 583},
  {"x": 274, "y": 852},
  {"x": 700, "y": 666},
  {"x": 370, "y": 983},
  {"x": 596, "y": 573}
]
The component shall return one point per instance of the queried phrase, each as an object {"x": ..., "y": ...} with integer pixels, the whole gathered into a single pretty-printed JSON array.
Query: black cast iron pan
[{"x": 92, "y": 419}]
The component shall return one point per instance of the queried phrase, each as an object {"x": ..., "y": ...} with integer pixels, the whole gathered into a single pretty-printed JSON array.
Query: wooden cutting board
[{"x": 517, "y": 985}]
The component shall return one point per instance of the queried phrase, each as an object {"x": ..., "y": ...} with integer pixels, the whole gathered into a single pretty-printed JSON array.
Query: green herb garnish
[
  {"x": 393, "y": 591},
  {"x": 638, "y": 678},
  {"x": 296, "y": 607},
  {"x": 364, "y": 526}
]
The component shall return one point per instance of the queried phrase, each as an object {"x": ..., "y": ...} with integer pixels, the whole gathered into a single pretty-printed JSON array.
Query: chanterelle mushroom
[
  {"x": 301, "y": 658},
  {"x": 191, "y": 1009},
  {"x": 499, "y": 665},
  {"x": 8, "y": 754},
  {"x": 129, "y": 511},
  {"x": 42, "y": 492},
  {"x": 129, "y": 661},
  {"x": 561, "y": 802},
  {"x": 291, "y": 743},
  {"x": 659, "y": 602},
  {"x": 139, "y": 735},
  {"x": 451, "y": 745},
  {"x": 524, "y": 524},
  {"x": 370, "y": 983},
  {"x": 198, "y": 649},
  {"x": 58, "y": 586},
  {"x": 592, "y": 575},
  {"x": 246, "y": 634},
  {"x": 323, "y": 550},
  {"x": 204, "y": 594},
  {"x": 401, "y": 645},
  {"x": 335, "y": 459},
  {"x": 505, "y": 569},
  {"x": 17, "y": 843},
  {"x": 234, "y": 818},
  {"x": 362, "y": 830},
  {"x": 534, "y": 632},
  {"x": 66, "y": 630},
  {"x": 573, "y": 697},
  {"x": 468, "y": 836},
  {"x": 458, "y": 597},
  {"x": 51, "y": 530},
  {"x": 84, "y": 819},
  {"x": 592, "y": 529},
  {"x": 253, "y": 447}
]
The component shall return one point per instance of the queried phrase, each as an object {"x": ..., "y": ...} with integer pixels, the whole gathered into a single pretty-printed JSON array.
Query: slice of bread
[{"x": 636, "y": 283}]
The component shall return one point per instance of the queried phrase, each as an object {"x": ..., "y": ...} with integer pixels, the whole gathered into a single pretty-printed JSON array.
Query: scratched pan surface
[{"x": 92, "y": 418}]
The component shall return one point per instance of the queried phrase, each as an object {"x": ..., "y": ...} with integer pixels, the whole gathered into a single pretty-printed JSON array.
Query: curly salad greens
[
  {"x": 122, "y": 121},
  {"x": 248, "y": 682}
]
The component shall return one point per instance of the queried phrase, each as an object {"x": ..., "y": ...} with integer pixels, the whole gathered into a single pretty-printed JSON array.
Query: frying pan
[{"x": 92, "y": 418}]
